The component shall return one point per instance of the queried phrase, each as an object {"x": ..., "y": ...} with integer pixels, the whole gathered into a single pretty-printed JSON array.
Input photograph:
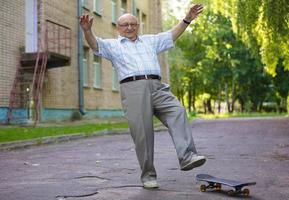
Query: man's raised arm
[
  {"x": 86, "y": 24},
  {"x": 192, "y": 14}
]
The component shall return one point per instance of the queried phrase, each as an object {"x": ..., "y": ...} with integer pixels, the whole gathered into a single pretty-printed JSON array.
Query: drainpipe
[{"x": 80, "y": 60}]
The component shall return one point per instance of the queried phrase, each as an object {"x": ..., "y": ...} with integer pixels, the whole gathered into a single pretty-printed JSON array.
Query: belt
[{"x": 140, "y": 77}]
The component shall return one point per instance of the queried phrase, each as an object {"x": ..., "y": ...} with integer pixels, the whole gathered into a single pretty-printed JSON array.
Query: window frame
[
  {"x": 85, "y": 65},
  {"x": 97, "y": 81},
  {"x": 113, "y": 11},
  {"x": 123, "y": 7},
  {"x": 84, "y": 3},
  {"x": 115, "y": 83},
  {"x": 133, "y": 7},
  {"x": 97, "y": 7}
]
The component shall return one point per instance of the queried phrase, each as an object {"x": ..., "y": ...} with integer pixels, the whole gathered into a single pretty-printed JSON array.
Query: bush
[
  {"x": 269, "y": 107},
  {"x": 76, "y": 115},
  {"x": 192, "y": 115}
]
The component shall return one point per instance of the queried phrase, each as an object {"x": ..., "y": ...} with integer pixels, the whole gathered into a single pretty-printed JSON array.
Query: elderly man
[{"x": 142, "y": 94}]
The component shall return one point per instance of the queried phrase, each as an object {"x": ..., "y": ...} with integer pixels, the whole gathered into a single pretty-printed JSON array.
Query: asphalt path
[{"x": 106, "y": 168}]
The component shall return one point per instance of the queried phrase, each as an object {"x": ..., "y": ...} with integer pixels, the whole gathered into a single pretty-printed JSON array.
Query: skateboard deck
[{"x": 216, "y": 183}]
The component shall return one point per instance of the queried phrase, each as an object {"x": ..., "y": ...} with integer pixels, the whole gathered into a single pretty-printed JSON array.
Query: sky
[{"x": 178, "y": 7}]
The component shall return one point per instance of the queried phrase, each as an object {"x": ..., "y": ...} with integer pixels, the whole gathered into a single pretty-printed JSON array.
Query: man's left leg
[{"x": 173, "y": 115}]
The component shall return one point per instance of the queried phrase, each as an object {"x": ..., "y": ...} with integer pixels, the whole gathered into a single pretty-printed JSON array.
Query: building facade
[{"x": 88, "y": 83}]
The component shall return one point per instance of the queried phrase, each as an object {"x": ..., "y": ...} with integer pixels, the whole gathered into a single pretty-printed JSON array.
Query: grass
[
  {"x": 235, "y": 115},
  {"x": 10, "y": 134}
]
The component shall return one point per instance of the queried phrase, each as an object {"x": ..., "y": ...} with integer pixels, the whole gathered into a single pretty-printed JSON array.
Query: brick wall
[
  {"x": 105, "y": 97},
  {"x": 60, "y": 90},
  {"x": 11, "y": 39}
]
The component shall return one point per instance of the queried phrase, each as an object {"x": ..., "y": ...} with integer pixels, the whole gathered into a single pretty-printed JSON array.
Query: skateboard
[{"x": 216, "y": 183}]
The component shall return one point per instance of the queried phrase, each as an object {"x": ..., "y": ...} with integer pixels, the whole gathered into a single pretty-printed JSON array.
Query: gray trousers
[{"x": 140, "y": 101}]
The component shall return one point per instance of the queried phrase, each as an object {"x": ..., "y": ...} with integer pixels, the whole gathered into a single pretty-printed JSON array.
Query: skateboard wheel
[
  {"x": 231, "y": 192},
  {"x": 218, "y": 186},
  {"x": 203, "y": 188},
  {"x": 246, "y": 192}
]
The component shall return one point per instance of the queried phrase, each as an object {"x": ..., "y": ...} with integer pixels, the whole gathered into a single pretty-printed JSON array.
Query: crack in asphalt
[
  {"x": 98, "y": 177},
  {"x": 75, "y": 196}
]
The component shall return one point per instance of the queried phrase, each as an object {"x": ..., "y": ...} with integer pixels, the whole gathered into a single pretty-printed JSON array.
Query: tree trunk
[
  {"x": 194, "y": 99},
  {"x": 283, "y": 105},
  {"x": 180, "y": 96},
  {"x": 227, "y": 98},
  {"x": 233, "y": 97},
  {"x": 205, "y": 107},
  {"x": 209, "y": 106},
  {"x": 254, "y": 106},
  {"x": 242, "y": 103},
  {"x": 182, "y": 99},
  {"x": 219, "y": 99},
  {"x": 190, "y": 97}
]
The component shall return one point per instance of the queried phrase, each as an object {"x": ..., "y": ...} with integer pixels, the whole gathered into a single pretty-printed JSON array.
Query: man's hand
[
  {"x": 194, "y": 11},
  {"x": 86, "y": 22}
]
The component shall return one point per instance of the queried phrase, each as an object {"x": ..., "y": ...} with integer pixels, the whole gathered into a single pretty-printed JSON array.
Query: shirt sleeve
[
  {"x": 104, "y": 48},
  {"x": 164, "y": 41}
]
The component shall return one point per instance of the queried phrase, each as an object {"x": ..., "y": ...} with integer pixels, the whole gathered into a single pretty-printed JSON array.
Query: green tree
[
  {"x": 219, "y": 61},
  {"x": 263, "y": 25},
  {"x": 281, "y": 86}
]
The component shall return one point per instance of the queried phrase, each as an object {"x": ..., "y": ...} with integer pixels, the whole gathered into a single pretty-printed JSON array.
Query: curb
[{"x": 64, "y": 138}]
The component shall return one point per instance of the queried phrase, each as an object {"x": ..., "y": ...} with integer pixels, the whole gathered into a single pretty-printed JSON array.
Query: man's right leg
[{"x": 136, "y": 102}]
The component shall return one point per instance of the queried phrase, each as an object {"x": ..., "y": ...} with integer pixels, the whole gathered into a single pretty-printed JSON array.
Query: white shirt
[{"x": 139, "y": 57}]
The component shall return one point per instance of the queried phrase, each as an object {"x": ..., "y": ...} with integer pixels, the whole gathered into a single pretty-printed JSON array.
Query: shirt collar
[{"x": 123, "y": 39}]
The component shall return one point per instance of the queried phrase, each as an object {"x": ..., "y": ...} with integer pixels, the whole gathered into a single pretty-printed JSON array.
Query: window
[
  {"x": 97, "y": 72},
  {"x": 113, "y": 11},
  {"x": 30, "y": 26},
  {"x": 97, "y": 6},
  {"x": 143, "y": 24},
  {"x": 133, "y": 5},
  {"x": 123, "y": 9},
  {"x": 115, "y": 83},
  {"x": 84, "y": 3},
  {"x": 138, "y": 15},
  {"x": 85, "y": 67}
]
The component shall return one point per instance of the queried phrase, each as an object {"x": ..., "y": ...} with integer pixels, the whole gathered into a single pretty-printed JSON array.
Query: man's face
[{"x": 128, "y": 26}]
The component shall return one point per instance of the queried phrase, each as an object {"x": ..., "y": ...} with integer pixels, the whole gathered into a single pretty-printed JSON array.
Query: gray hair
[{"x": 126, "y": 15}]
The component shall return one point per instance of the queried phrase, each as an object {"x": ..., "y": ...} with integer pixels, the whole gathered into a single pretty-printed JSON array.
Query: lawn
[{"x": 9, "y": 134}]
